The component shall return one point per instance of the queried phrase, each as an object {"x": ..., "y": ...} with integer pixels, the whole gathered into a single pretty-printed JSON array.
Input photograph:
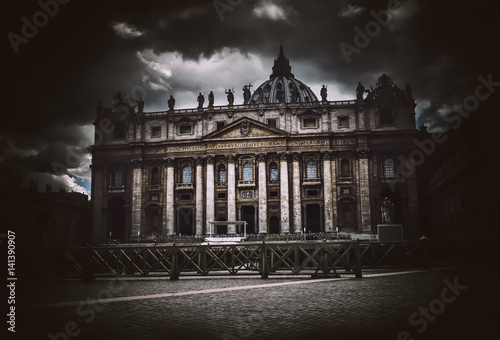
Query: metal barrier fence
[{"x": 263, "y": 258}]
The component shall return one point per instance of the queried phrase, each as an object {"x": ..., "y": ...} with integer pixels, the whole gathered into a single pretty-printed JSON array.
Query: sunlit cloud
[{"x": 126, "y": 31}]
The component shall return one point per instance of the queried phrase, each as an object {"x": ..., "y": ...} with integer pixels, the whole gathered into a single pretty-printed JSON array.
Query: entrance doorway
[
  {"x": 185, "y": 221},
  {"x": 221, "y": 229},
  {"x": 248, "y": 215},
  {"x": 312, "y": 218},
  {"x": 274, "y": 225},
  {"x": 116, "y": 218}
]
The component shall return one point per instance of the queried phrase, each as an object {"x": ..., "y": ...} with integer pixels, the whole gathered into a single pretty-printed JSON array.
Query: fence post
[
  {"x": 174, "y": 273},
  {"x": 264, "y": 268},
  {"x": 357, "y": 260}
]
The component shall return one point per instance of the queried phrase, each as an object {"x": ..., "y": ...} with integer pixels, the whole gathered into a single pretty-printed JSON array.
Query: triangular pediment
[{"x": 246, "y": 128}]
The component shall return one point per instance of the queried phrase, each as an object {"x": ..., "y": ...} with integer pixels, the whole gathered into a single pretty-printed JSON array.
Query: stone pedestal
[{"x": 390, "y": 232}]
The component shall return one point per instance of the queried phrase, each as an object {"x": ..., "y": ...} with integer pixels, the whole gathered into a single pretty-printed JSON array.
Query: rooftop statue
[
  {"x": 323, "y": 93},
  {"x": 201, "y": 100},
  {"x": 171, "y": 103},
  {"x": 360, "y": 91},
  {"x": 230, "y": 97},
  {"x": 246, "y": 93},
  {"x": 210, "y": 99}
]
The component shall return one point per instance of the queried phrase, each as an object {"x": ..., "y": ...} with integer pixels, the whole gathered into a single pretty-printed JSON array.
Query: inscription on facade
[
  {"x": 314, "y": 142},
  {"x": 345, "y": 141},
  {"x": 245, "y": 145}
]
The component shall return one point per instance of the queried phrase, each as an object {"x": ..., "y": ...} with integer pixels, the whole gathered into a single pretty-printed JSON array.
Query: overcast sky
[{"x": 84, "y": 52}]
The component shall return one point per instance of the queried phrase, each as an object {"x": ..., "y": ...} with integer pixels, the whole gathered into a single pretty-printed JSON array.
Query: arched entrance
[
  {"x": 274, "y": 225},
  {"x": 116, "y": 218},
  {"x": 154, "y": 219},
  {"x": 313, "y": 218},
  {"x": 221, "y": 229},
  {"x": 347, "y": 213},
  {"x": 185, "y": 221},
  {"x": 248, "y": 215}
]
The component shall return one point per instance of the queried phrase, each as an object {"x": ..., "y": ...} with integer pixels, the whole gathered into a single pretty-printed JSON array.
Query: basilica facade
[{"x": 284, "y": 161}]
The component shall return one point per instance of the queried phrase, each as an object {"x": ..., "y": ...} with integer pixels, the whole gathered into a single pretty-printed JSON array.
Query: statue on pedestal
[
  {"x": 323, "y": 93},
  {"x": 230, "y": 97},
  {"x": 246, "y": 93},
  {"x": 387, "y": 211},
  {"x": 210, "y": 99},
  {"x": 171, "y": 103},
  {"x": 360, "y": 91},
  {"x": 201, "y": 100}
]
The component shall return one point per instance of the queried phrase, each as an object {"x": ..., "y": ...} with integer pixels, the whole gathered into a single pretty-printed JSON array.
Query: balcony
[
  {"x": 246, "y": 184},
  {"x": 345, "y": 179},
  {"x": 273, "y": 182},
  {"x": 221, "y": 185},
  {"x": 116, "y": 189},
  {"x": 184, "y": 186},
  {"x": 311, "y": 181},
  {"x": 153, "y": 187}
]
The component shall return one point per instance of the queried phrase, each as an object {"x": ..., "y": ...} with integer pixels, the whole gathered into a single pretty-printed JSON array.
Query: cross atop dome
[{"x": 282, "y": 66}]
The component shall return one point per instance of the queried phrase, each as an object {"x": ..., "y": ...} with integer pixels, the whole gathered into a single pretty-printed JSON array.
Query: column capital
[
  {"x": 326, "y": 155},
  {"x": 261, "y": 157},
  {"x": 296, "y": 156},
  {"x": 231, "y": 158},
  {"x": 199, "y": 160},
  {"x": 169, "y": 162},
  {"x": 283, "y": 156},
  {"x": 209, "y": 159},
  {"x": 362, "y": 152},
  {"x": 136, "y": 163}
]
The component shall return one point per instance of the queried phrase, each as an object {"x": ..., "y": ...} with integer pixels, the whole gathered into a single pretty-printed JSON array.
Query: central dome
[{"x": 282, "y": 87}]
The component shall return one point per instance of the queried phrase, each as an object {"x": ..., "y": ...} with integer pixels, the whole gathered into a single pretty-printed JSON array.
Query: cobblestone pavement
[{"x": 377, "y": 307}]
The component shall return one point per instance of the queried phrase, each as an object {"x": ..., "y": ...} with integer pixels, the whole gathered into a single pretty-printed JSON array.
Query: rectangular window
[
  {"x": 312, "y": 193},
  {"x": 185, "y": 129},
  {"x": 310, "y": 123},
  {"x": 273, "y": 194},
  {"x": 343, "y": 122},
  {"x": 271, "y": 123},
  {"x": 155, "y": 131},
  {"x": 119, "y": 131},
  {"x": 220, "y": 125},
  {"x": 273, "y": 174},
  {"x": 386, "y": 116},
  {"x": 221, "y": 195},
  {"x": 185, "y": 197}
]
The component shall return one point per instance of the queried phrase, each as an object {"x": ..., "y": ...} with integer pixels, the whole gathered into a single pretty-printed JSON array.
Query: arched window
[
  {"x": 118, "y": 178},
  {"x": 186, "y": 175},
  {"x": 311, "y": 169},
  {"x": 273, "y": 171},
  {"x": 222, "y": 173},
  {"x": 389, "y": 170},
  {"x": 344, "y": 168},
  {"x": 155, "y": 176},
  {"x": 247, "y": 171}
]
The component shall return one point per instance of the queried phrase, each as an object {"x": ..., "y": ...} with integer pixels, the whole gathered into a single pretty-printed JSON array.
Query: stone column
[
  {"x": 171, "y": 128},
  {"x": 297, "y": 207},
  {"x": 364, "y": 190},
  {"x": 210, "y": 207},
  {"x": 333, "y": 165},
  {"x": 199, "y": 196},
  {"x": 231, "y": 193},
  {"x": 136, "y": 197},
  {"x": 170, "y": 183},
  {"x": 263, "y": 228},
  {"x": 285, "y": 209},
  {"x": 99, "y": 232},
  {"x": 327, "y": 192}
]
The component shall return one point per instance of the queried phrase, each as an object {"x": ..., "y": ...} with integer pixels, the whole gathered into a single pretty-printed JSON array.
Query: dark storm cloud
[{"x": 90, "y": 51}]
